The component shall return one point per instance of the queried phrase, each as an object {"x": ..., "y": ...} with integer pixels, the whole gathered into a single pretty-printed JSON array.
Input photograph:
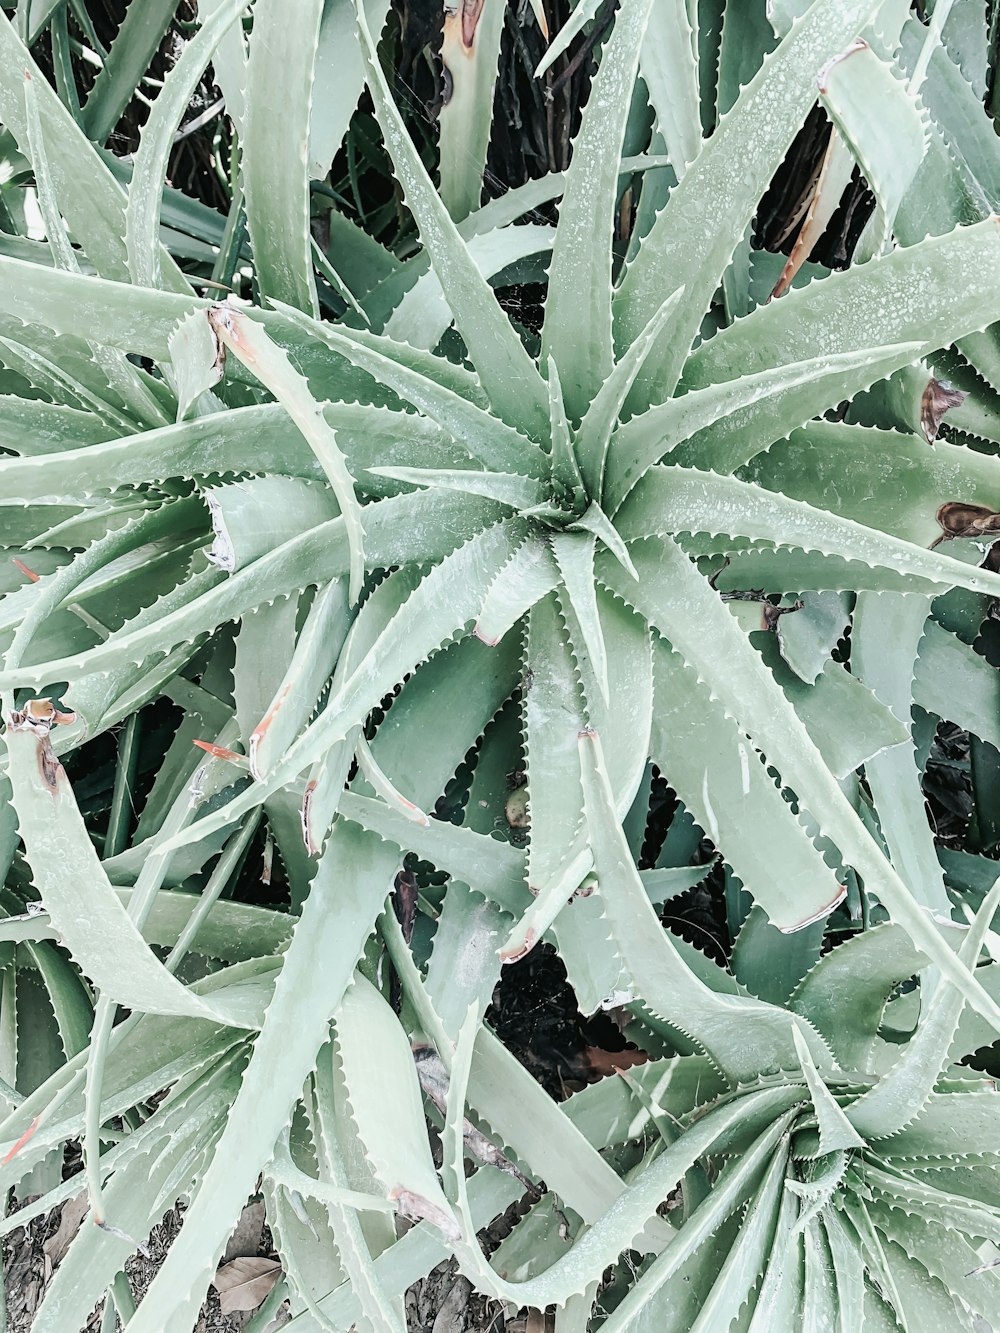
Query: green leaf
[
  {"x": 747, "y": 1256},
  {"x": 510, "y": 378},
  {"x": 529, "y": 575},
  {"x": 672, "y": 500},
  {"x": 90, "y": 198},
  {"x": 889, "y": 147},
  {"x": 510, "y": 489},
  {"x": 245, "y": 439},
  {"x": 601, "y": 417},
  {"x": 274, "y": 159},
  {"x": 769, "y": 962},
  {"x": 49, "y": 819},
  {"x": 779, "y": 1300},
  {"x": 740, "y": 1178},
  {"x": 422, "y": 316},
  {"x": 735, "y": 166},
  {"x": 552, "y": 713},
  {"x": 315, "y": 974},
  {"x": 442, "y": 395},
  {"x": 885, "y": 479},
  {"x": 669, "y": 66},
  {"x": 470, "y": 50},
  {"x": 317, "y": 556},
  {"x": 660, "y": 976},
  {"x": 132, "y": 50},
  {"x": 719, "y": 777},
  {"x": 486, "y": 865},
  {"x": 951, "y": 679},
  {"x": 574, "y": 553},
  {"x": 885, "y": 641},
  {"x": 137, "y": 1200},
  {"x": 849, "y": 725},
  {"x": 583, "y": 13},
  {"x": 337, "y": 84},
  {"x": 386, "y": 1105},
  {"x": 845, "y": 994},
  {"x": 309, "y": 667},
  {"x": 932, "y": 293},
  {"x": 901, "y": 1092},
  {"x": 442, "y": 604},
  {"x": 142, "y": 215},
  {"x": 678, "y": 602},
  {"x": 577, "y": 328},
  {"x": 272, "y": 366},
  {"x": 836, "y": 1130},
  {"x": 765, "y": 407},
  {"x": 809, "y": 637}
]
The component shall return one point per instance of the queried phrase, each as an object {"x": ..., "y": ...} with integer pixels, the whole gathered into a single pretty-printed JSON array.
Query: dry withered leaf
[
  {"x": 937, "y": 398},
  {"x": 244, "y": 1283},
  {"x": 602, "y": 1063},
  {"x": 245, "y": 1240},
  {"x": 771, "y": 614},
  {"x": 958, "y": 519},
  {"x": 39, "y": 716},
  {"x": 404, "y": 902},
  {"x": 435, "y": 1082},
  {"x": 516, "y": 808},
  {"x": 73, "y": 1213},
  {"x": 414, "y": 1206}
]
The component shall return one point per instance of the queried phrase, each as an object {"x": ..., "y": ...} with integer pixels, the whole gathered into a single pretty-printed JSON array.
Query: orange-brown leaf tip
[
  {"x": 22, "y": 1140},
  {"x": 519, "y": 951},
  {"x": 220, "y": 752},
  {"x": 28, "y": 573}
]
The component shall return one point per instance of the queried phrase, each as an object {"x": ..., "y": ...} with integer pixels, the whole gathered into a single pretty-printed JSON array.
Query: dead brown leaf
[
  {"x": 73, "y": 1213},
  {"x": 245, "y": 1282},
  {"x": 602, "y": 1062},
  {"x": 415, "y": 1207},
  {"x": 245, "y": 1239},
  {"x": 958, "y": 519},
  {"x": 937, "y": 398}
]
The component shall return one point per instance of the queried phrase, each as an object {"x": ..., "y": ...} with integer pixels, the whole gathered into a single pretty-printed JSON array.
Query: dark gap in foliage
[
  {"x": 699, "y": 916},
  {"x": 534, "y": 1013},
  {"x": 785, "y": 203}
]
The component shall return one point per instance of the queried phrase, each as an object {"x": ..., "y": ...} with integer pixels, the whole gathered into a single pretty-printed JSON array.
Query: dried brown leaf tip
[
  {"x": 461, "y": 21},
  {"x": 221, "y": 752},
  {"x": 414, "y": 1206},
  {"x": 40, "y": 716},
  {"x": 958, "y": 519},
  {"x": 771, "y": 614},
  {"x": 519, "y": 951},
  {"x": 937, "y": 398}
]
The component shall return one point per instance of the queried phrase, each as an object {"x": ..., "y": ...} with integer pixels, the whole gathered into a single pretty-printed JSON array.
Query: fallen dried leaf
[
  {"x": 244, "y": 1283},
  {"x": 602, "y": 1062},
  {"x": 73, "y": 1213},
  {"x": 245, "y": 1240}
]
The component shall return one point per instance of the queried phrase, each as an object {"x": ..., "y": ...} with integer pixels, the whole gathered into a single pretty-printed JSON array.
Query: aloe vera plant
[{"x": 434, "y": 600}]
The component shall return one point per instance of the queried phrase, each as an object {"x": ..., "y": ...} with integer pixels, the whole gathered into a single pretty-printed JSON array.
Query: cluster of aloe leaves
[{"x": 388, "y": 556}]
